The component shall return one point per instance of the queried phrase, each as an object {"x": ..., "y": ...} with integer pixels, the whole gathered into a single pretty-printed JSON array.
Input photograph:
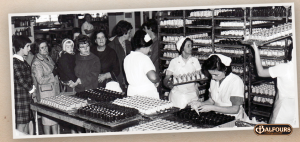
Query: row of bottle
[
  {"x": 229, "y": 50},
  {"x": 197, "y": 36},
  {"x": 269, "y": 34},
  {"x": 22, "y": 23},
  {"x": 263, "y": 100},
  {"x": 239, "y": 69},
  {"x": 171, "y": 38},
  {"x": 203, "y": 40},
  {"x": 173, "y": 23},
  {"x": 264, "y": 89},
  {"x": 233, "y": 32},
  {"x": 170, "y": 54},
  {"x": 275, "y": 11},
  {"x": 170, "y": 47},
  {"x": 271, "y": 53},
  {"x": 280, "y": 43},
  {"x": 270, "y": 63},
  {"x": 206, "y": 13},
  {"x": 197, "y": 75},
  {"x": 230, "y": 12},
  {"x": 204, "y": 49},
  {"x": 24, "y": 32},
  {"x": 240, "y": 23}
]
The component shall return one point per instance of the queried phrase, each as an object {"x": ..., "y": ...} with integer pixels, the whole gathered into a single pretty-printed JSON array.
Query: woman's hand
[
  {"x": 72, "y": 84},
  {"x": 195, "y": 104},
  {"x": 206, "y": 108}
]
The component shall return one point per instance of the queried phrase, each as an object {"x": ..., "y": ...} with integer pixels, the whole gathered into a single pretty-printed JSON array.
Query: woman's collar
[{"x": 18, "y": 57}]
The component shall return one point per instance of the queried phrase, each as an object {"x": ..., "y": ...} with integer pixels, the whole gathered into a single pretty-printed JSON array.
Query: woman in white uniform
[
  {"x": 181, "y": 95},
  {"x": 285, "y": 108},
  {"x": 226, "y": 92},
  {"x": 139, "y": 69}
]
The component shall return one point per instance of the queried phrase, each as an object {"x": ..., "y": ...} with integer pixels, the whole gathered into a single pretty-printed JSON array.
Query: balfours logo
[{"x": 273, "y": 129}]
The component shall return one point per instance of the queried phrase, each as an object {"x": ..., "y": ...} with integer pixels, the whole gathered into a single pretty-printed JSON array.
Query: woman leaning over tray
[
  {"x": 23, "y": 83},
  {"x": 181, "y": 95},
  {"x": 226, "y": 92}
]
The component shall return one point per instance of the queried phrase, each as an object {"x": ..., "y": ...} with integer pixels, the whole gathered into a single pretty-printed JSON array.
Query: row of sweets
[
  {"x": 63, "y": 102},
  {"x": 263, "y": 34},
  {"x": 175, "y": 22},
  {"x": 264, "y": 89},
  {"x": 199, "y": 38},
  {"x": 107, "y": 112},
  {"x": 270, "y": 63},
  {"x": 100, "y": 95},
  {"x": 233, "y": 32},
  {"x": 239, "y": 70},
  {"x": 271, "y": 53},
  {"x": 145, "y": 105},
  {"x": 229, "y": 50},
  {"x": 240, "y": 23},
  {"x": 197, "y": 75},
  {"x": 263, "y": 100},
  {"x": 161, "y": 124}
]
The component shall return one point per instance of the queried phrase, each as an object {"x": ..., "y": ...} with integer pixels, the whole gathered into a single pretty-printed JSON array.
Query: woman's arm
[
  {"x": 152, "y": 76},
  {"x": 260, "y": 70},
  {"x": 38, "y": 70},
  {"x": 234, "y": 109},
  {"x": 167, "y": 81}
]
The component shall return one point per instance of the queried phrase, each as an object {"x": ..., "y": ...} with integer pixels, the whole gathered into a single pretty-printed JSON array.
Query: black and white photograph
[{"x": 153, "y": 70}]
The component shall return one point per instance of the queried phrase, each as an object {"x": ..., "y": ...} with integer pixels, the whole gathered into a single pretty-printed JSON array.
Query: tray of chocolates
[
  {"x": 100, "y": 95},
  {"x": 204, "y": 119},
  {"x": 189, "y": 78},
  {"x": 108, "y": 114},
  {"x": 146, "y": 106},
  {"x": 161, "y": 124},
  {"x": 67, "y": 104}
]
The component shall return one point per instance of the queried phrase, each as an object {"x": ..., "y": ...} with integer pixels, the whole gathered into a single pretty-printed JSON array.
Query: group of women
[{"x": 130, "y": 64}]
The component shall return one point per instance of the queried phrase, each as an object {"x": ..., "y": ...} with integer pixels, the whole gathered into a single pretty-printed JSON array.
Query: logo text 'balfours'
[{"x": 273, "y": 129}]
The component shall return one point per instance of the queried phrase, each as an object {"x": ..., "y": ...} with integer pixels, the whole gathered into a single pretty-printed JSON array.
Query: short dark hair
[
  {"x": 183, "y": 44},
  {"x": 87, "y": 15},
  {"x": 121, "y": 28},
  {"x": 215, "y": 63},
  {"x": 138, "y": 40},
  {"x": 37, "y": 44},
  {"x": 20, "y": 42},
  {"x": 151, "y": 23},
  {"x": 100, "y": 31},
  {"x": 82, "y": 38}
]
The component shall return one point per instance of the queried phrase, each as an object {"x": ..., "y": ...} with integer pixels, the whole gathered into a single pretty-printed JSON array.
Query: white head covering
[
  {"x": 114, "y": 86},
  {"x": 64, "y": 43},
  {"x": 179, "y": 42},
  {"x": 147, "y": 38},
  {"x": 224, "y": 59}
]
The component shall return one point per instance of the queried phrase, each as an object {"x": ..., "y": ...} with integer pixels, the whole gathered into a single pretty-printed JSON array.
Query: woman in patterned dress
[{"x": 23, "y": 83}]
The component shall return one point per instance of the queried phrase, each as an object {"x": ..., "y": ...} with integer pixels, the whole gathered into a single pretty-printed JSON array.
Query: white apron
[
  {"x": 284, "y": 111},
  {"x": 181, "y": 95},
  {"x": 221, "y": 95},
  {"x": 146, "y": 90}
]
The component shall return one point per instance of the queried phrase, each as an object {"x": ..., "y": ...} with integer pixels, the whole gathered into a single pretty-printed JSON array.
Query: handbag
[{"x": 46, "y": 90}]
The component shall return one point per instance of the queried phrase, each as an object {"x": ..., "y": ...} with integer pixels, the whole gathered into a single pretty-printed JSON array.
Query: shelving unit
[{"x": 210, "y": 24}]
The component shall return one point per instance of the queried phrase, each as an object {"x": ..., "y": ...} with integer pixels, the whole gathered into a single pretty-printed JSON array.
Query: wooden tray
[
  {"x": 190, "y": 81},
  {"x": 70, "y": 112},
  {"x": 110, "y": 124},
  {"x": 261, "y": 43}
]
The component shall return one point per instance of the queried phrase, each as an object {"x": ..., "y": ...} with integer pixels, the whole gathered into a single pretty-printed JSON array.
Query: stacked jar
[
  {"x": 204, "y": 49},
  {"x": 206, "y": 13},
  {"x": 193, "y": 76},
  {"x": 271, "y": 53},
  {"x": 170, "y": 54},
  {"x": 233, "y": 32},
  {"x": 270, "y": 63},
  {"x": 229, "y": 50},
  {"x": 170, "y": 47}
]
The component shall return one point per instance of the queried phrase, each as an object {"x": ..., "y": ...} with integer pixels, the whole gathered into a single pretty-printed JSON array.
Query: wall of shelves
[{"x": 216, "y": 23}]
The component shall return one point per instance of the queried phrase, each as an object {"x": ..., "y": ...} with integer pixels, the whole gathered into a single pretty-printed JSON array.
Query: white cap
[
  {"x": 64, "y": 43},
  {"x": 114, "y": 86},
  {"x": 179, "y": 42},
  {"x": 224, "y": 59}
]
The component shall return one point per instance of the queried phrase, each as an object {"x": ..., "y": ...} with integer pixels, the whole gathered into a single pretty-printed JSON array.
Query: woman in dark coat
[
  {"x": 110, "y": 68},
  {"x": 23, "y": 83},
  {"x": 87, "y": 66}
]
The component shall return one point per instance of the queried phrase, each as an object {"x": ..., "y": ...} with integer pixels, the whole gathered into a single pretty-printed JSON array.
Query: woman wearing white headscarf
[
  {"x": 181, "y": 95},
  {"x": 226, "y": 92}
]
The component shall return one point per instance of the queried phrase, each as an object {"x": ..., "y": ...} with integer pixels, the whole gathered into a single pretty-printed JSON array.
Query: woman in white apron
[
  {"x": 285, "y": 108},
  {"x": 139, "y": 69},
  {"x": 181, "y": 95},
  {"x": 226, "y": 89}
]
